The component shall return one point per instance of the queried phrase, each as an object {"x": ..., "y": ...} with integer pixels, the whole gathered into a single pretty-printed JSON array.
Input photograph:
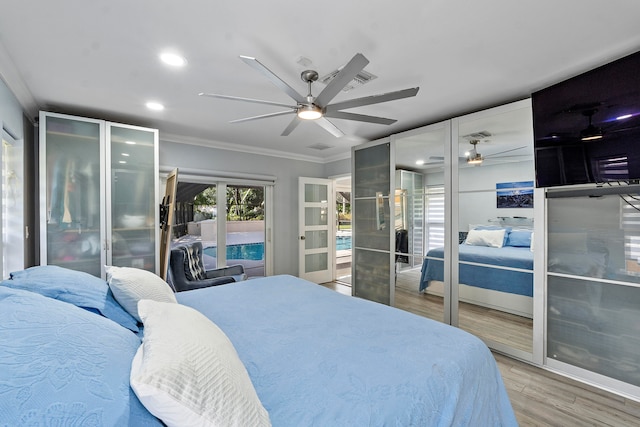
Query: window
[{"x": 434, "y": 202}]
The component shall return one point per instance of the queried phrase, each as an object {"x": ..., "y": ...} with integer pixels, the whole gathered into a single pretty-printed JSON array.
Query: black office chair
[{"x": 187, "y": 270}]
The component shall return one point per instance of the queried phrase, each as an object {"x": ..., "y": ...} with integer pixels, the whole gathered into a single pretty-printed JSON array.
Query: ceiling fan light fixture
[
  {"x": 309, "y": 112},
  {"x": 591, "y": 133},
  {"x": 475, "y": 159}
]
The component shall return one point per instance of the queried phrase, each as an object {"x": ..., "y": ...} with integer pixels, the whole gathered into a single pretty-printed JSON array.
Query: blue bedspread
[
  {"x": 319, "y": 358},
  {"x": 515, "y": 282}
]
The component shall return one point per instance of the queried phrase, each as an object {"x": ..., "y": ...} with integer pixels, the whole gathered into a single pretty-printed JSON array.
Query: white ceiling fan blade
[
  {"x": 255, "y": 101},
  {"x": 281, "y": 84},
  {"x": 375, "y": 99},
  {"x": 441, "y": 158},
  {"x": 344, "y": 76},
  {"x": 359, "y": 117},
  {"x": 329, "y": 127},
  {"x": 294, "y": 124},
  {"x": 505, "y": 151},
  {"x": 263, "y": 116}
]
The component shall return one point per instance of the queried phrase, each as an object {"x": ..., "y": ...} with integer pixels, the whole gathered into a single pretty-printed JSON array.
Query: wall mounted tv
[{"x": 587, "y": 128}]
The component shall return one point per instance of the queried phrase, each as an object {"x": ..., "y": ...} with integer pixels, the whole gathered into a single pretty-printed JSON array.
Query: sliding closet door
[
  {"x": 372, "y": 222},
  {"x": 422, "y": 172},
  {"x": 495, "y": 217}
]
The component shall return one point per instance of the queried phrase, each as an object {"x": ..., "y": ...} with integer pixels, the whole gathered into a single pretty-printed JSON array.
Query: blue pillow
[
  {"x": 519, "y": 238},
  {"x": 75, "y": 287},
  {"x": 61, "y": 365}
]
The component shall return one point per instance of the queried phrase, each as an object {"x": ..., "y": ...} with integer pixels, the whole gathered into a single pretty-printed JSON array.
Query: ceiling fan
[
  {"x": 318, "y": 108},
  {"x": 473, "y": 157}
]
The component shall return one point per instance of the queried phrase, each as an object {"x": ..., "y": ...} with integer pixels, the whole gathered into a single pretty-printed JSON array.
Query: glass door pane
[
  {"x": 245, "y": 228},
  {"x": 72, "y": 179},
  {"x": 196, "y": 219},
  {"x": 593, "y": 284},
  {"x": 495, "y": 223},
  {"x": 420, "y": 221},
  {"x": 372, "y": 224},
  {"x": 13, "y": 238},
  {"x": 134, "y": 222}
]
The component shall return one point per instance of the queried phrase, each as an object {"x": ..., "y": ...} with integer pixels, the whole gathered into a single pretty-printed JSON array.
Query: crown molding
[{"x": 188, "y": 140}]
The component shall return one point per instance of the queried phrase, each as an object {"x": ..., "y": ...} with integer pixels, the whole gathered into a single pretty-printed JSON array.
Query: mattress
[
  {"x": 485, "y": 276},
  {"x": 317, "y": 357}
]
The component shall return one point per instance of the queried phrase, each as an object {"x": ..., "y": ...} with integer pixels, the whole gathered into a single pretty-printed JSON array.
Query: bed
[
  {"x": 271, "y": 351},
  {"x": 495, "y": 270}
]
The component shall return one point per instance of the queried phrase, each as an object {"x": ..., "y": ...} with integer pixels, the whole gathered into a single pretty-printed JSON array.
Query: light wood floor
[
  {"x": 540, "y": 397},
  {"x": 489, "y": 324}
]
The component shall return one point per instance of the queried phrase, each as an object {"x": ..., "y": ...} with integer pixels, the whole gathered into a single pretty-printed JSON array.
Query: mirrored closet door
[
  {"x": 495, "y": 218},
  {"x": 422, "y": 169}
]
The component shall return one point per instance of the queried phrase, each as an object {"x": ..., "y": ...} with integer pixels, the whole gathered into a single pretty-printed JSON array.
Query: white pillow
[
  {"x": 130, "y": 285},
  {"x": 187, "y": 372},
  {"x": 493, "y": 238}
]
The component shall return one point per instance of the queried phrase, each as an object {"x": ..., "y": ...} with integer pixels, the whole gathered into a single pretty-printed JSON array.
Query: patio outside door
[{"x": 316, "y": 229}]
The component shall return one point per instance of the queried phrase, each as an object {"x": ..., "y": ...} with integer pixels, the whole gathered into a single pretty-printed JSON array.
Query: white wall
[
  {"x": 286, "y": 172},
  {"x": 479, "y": 206}
]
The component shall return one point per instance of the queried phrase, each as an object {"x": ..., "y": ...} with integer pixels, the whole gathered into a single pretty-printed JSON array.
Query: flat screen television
[{"x": 587, "y": 128}]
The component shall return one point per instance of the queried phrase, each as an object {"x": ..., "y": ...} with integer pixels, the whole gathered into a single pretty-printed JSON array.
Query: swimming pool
[
  {"x": 255, "y": 251},
  {"x": 343, "y": 243},
  {"x": 249, "y": 251}
]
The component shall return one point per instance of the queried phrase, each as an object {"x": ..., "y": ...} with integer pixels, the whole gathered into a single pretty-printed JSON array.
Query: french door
[{"x": 316, "y": 219}]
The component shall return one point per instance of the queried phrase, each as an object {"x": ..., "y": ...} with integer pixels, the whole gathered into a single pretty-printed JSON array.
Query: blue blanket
[
  {"x": 319, "y": 358},
  {"x": 511, "y": 281}
]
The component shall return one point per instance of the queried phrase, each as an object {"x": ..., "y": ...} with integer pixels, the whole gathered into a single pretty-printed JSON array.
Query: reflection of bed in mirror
[{"x": 496, "y": 270}]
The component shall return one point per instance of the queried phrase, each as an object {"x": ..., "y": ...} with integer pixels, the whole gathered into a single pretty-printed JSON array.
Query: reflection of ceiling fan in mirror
[
  {"x": 317, "y": 108},
  {"x": 474, "y": 157}
]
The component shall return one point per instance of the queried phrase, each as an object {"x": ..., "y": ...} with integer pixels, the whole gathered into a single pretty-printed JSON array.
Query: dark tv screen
[{"x": 587, "y": 128}]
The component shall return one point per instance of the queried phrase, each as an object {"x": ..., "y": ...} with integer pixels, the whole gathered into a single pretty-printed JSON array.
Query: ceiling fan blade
[
  {"x": 359, "y": 117},
  {"x": 505, "y": 151},
  {"x": 344, "y": 76},
  {"x": 441, "y": 158},
  {"x": 329, "y": 127},
  {"x": 254, "y": 63},
  {"x": 255, "y": 101},
  {"x": 263, "y": 116},
  {"x": 375, "y": 99},
  {"x": 294, "y": 124}
]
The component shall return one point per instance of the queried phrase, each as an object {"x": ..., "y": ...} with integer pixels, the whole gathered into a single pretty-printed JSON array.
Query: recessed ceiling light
[
  {"x": 419, "y": 162},
  {"x": 173, "y": 59},
  {"x": 156, "y": 106},
  {"x": 626, "y": 116},
  {"x": 130, "y": 142},
  {"x": 125, "y": 154}
]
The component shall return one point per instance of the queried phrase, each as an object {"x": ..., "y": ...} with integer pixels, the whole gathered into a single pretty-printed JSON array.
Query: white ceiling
[{"x": 101, "y": 59}]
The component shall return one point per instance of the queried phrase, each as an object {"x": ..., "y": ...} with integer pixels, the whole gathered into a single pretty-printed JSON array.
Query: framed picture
[{"x": 514, "y": 194}]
